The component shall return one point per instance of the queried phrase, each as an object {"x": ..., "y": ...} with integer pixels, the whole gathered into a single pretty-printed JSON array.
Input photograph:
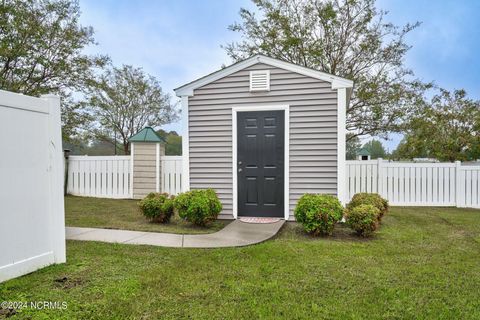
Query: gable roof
[
  {"x": 147, "y": 134},
  {"x": 363, "y": 152},
  {"x": 337, "y": 82}
]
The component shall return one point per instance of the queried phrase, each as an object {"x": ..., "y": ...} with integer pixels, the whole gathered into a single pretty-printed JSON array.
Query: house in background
[{"x": 263, "y": 132}]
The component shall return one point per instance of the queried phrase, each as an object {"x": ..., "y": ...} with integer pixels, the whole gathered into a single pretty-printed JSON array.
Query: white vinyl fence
[
  {"x": 32, "y": 227},
  {"x": 416, "y": 184},
  {"x": 111, "y": 176},
  {"x": 402, "y": 183},
  {"x": 171, "y": 174},
  {"x": 100, "y": 176}
]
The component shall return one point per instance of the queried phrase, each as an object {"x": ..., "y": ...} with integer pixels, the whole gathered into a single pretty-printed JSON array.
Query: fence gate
[{"x": 32, "y": 227}]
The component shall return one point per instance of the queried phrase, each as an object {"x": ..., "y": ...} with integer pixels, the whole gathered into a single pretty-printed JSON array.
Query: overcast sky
[{"x": 178, "y": 41}]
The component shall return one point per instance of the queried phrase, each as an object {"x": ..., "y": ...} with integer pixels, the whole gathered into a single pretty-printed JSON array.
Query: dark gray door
[{"x": 260, "y": 163}]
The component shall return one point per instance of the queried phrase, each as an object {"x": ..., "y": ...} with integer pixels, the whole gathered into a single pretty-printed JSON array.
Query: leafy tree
[
  {"x": 446, "y": 128},
  {"x": 346, "y": 38},
  {"x": 41, "y": 51},
  {"x": 353, "y": 147},
  {"x": 375, "y": 148},
  {"x": 125, "y": 100},
  {"x": 173, "y": 142}
]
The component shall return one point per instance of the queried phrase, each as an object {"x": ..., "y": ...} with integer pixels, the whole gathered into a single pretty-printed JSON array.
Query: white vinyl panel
[
  {"x": 358, "y": 187},
  {"x": 119, "y": 178},
  {"x": 441, "y": 185},
  {"x": 88, "y": 177},
  {"x": 423, "y": 185},
  {"x": 76, "y": 177},
  {"x": 374, "y": 169},
  {"x": 363, "y": 174},
  {"x": 114, "y": 178},
  {"x": 178, "y": 170},
  {"x": 413, "y": 189},
  {"x": 419, "y": 188},
  {"x": 126, "y": 181},
  {"x": 368, "y": 175},
  {"x": 109, "y": 190},
  {"x": 434, "y": 185},
  {"x": 401, "y": 183},
  {"x": 468, "y": 187},
  {"x": 474, "y": 201},
  {"x": 104, "y": 178},
  {"x": 429, "y": 185},
  {"x": 406, "y": 196},
  {"x": 453, "y": 185},
  {"x": 390, "y": 182},
  {"x": 81, "y": 179},
  {"x": 70, "y": 184},
  {"x": 352, "y": 180},
  {"x": 384, "y": 182}
]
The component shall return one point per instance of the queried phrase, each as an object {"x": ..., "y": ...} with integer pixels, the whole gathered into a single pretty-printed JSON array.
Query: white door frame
[{"x": 286, "y": 190}]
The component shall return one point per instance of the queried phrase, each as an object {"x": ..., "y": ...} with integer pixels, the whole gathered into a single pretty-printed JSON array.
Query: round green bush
[
  {"x": 373, "y": 199},
  {"x": 198, "y": 206},
  {"x": 363, "y": 219},
  {"x": 157, "y": 207},
  {"x": 318, "y": 213}
]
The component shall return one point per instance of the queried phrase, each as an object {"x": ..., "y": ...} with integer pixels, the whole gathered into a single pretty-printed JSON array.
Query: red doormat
[{"x": 259, "y": 220}]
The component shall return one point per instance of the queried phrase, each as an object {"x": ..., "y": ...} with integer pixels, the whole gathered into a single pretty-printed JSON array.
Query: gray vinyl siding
[{"x": 313, "y": 131}]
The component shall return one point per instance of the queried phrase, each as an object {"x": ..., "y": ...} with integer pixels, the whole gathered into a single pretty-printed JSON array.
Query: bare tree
[{"x": 125, "y": 100}]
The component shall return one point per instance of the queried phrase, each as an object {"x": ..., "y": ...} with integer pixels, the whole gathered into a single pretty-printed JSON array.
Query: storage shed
[{"x": 263, "y": 132}]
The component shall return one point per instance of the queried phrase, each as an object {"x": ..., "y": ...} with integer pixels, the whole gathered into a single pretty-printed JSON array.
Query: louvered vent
[{"x": 260, "y": 80}]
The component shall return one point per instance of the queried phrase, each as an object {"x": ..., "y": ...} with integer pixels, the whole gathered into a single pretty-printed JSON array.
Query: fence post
[
  {"x": 459, "y": 194},
  {"x": 132, "y": 156},
  {"x": 379, "y": 176},
  {"x": 56, "y": 171}
]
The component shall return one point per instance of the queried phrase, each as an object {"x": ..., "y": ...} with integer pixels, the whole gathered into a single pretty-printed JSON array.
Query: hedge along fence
[
  {"x": 112, "y": 176},
  {"x": 416, "y": 184}
]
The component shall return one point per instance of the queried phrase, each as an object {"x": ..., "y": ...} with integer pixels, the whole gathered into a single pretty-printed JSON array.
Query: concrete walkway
[{"x": 235, "y": 234}]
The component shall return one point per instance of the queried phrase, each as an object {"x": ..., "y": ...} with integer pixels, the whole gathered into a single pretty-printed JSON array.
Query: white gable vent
[{"x": 260, "y": 80}]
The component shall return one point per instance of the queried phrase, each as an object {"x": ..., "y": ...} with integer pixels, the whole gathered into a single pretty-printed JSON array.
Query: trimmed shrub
[
  {"x": 198, "y": 206},
  {"x": 373, "y": 199},
  {"x": 157, "y": 207},
  {"x": 318, "y": 213},
  {"x": 363, "y": 219}
]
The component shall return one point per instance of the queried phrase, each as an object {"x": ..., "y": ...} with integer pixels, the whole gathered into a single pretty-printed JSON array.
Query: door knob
[
  {"x": 240, "y": 170},
  {"x": 239, "y": 162}
]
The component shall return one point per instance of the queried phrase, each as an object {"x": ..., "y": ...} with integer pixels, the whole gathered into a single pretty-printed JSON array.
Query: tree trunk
[{"x": 126, "y": 148}]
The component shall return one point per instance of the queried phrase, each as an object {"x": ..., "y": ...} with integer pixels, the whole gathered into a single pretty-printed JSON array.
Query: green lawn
[
  {"x": 424, "y": 263},
  {"x": 124, "y": 214}
]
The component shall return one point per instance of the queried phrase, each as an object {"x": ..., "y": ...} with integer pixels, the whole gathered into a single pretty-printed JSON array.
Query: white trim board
[
  {"x": 341, "y": 144},
  {"x": 185, "y": 146},
  {"x": 286, "y": 189},
  {"x": 337, "y": 82}
]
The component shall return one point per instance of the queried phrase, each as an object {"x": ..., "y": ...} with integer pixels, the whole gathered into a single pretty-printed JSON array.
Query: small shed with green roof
[
  {"x": 363, "y": 154},
  {"x": 147, "y": 147}
]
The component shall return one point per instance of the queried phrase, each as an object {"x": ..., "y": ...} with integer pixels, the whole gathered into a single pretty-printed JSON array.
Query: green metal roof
[
  {"x": 147, "y": 134},
  {"x": 363, "y": 152}
]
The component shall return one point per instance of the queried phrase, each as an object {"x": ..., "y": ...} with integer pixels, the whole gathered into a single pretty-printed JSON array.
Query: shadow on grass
[{"x": 294, "y": 231}]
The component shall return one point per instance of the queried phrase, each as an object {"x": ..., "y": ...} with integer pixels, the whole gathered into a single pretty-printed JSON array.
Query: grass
[
  {"x": 422, "y": 264},
  {"x": 124, "y": 214}
]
